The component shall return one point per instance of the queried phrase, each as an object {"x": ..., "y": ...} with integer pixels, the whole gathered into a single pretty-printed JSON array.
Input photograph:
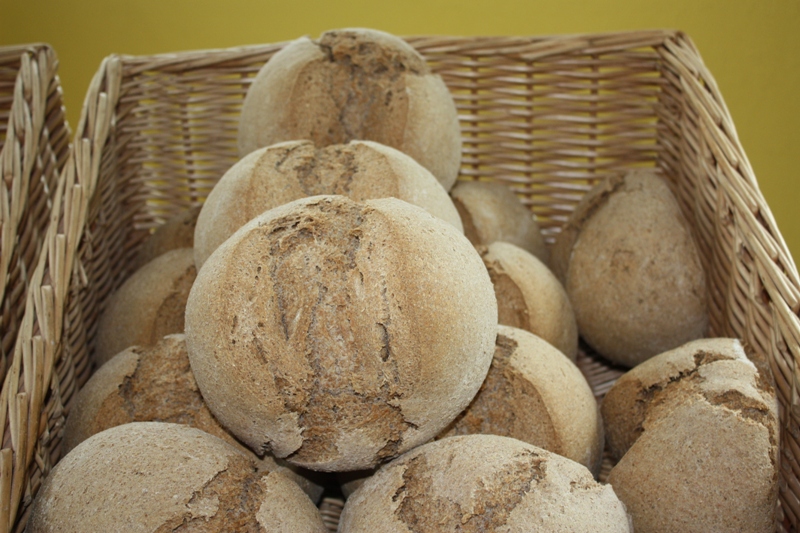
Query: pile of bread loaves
[{"x": 339, "y": 310}]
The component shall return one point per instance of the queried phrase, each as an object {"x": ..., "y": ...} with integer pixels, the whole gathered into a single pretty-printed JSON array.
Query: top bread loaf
[{"x": 354, "y": 84}]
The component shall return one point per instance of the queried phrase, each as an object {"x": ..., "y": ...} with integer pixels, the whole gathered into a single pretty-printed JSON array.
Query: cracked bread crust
[
  {"x": 632, "y": 270},
  {"x": 281, "y": 173},
  {"x": 155, "y": 384},
  {"x": 698, "y": 428},
  {"x": 339, "y": 334},
  {"x": 530, "y": 297},
  {"x": 535, "y": 394},
  {"x": 354, "y": 84},
  {"x": 150, "y": 476},
  {"x": 482, "y": 483},
  {"x": 147, "y": 306}
]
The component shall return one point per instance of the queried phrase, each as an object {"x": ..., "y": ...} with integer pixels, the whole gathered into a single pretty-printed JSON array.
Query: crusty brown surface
[
  {"x": 272, "y": 176},
  {"x": 177, "y": 232},
  {"x": 535, "y": 394},
  {"x": 150, "y": 476},
  {"x": 634, "y": 278},
  {"x": 354, "y": 84},
  {"x": 482, "y": 483},
  {"x": 699, "y": 432},
  {"x": 530, "y": 297},
  {"x": 148, "y": 306},
  {"x": 155, "y": 384},
  {"x": 343, "y": 330},
  {"x": 491, "y": 212}
]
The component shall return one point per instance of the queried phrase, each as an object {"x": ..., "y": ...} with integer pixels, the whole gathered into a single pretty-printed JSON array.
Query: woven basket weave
[
  {"x": 546, "y": 116},
  {"x": 34, "y": 142}
]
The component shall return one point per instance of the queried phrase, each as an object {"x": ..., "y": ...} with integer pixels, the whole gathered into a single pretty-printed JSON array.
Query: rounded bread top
[
  {"x": 535, "y": 394},
  {"x": 271, "y": 176},
  {"x": 634, "y": 275},
  {"x": 337, "y": 333},
  {"x": 530, "y": 297},
  {"x": 151, "y": 475},
  {"x": 354, "y": 84},
  {"x": 491, "y": 212},
  {"x": 147, "y": 306},
  {"x": 482, "y": 483}
]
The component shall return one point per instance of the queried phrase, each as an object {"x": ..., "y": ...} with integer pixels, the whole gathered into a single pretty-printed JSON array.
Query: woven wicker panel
[
  {"x": 546, "y": 116},
  {"x": 35, "y": 141}
]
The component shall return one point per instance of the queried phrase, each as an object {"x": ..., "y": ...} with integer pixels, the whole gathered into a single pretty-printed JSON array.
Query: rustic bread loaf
[
  {"x": 530, "y": 297},
  {"x": 632, "y": 270},
  {"x": 698, "y": 427},
  {"x": 354, "y": 84},
  {"x": 535, "y": 394},
  {"x": 177, "y": 232},
  {"x": 152, "y": 476},
  {"x": 155, "y": 384},
  {"x": 492, "y": 212},
  {"x": 147, "y": 306},
  {"x": 278, "y": 174},
  {"x": 482, "y": 483},
  {"x": 339, "y": 334}
]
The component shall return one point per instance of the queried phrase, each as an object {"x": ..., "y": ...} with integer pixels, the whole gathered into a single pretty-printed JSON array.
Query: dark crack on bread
[
  {"x": 340, "y": 395},
  {"x": 365, "y": 80},
  {"x": 161, "y": 389},
  {"x": 512, "y": 309},
  {"x": 170, "y": 314},
  {"x": 491, "y": 412},
  {"x": 238, "y": 494},
  {"x": 632, "y": 425},
  {"x": 422, "y": 510}
]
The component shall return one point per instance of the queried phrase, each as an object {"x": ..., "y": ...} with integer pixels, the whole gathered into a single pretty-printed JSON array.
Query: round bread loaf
[
  {"x": 354, "y": 84},
  {"x": 155, "y": 384},
  {"x": 530, "y": 297},
  {"x": 482, "y": 483},
  {"x": 147, "y": 306},
  {"x": 151, "y": 476},
  {"x": 492, "y": 212},
  {"x": 535, "y": 394},
  {"x": 177, "y": 232},
  {"x": 278, "y": 174},
  {"x": 632, "y": 270},
  {"x": 339, "y": 334},
  {"x": 698, "y": 427}
]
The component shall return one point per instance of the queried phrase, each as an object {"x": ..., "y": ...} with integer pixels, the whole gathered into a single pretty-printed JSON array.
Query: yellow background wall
[{"x": 751, "y": 46}]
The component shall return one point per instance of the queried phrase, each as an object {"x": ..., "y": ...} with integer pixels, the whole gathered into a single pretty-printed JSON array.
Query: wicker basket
[
  {"x": 546, "y": 116},
  {"x": 34, "y": 142}
]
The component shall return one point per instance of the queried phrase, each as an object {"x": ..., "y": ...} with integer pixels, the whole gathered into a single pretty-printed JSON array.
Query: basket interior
[{"x": 546, "y": 116}]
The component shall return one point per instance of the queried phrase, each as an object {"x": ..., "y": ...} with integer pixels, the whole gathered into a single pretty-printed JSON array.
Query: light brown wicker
[
  {"x": 545, "y": 115},
  {"x": 34, "y": 141}
]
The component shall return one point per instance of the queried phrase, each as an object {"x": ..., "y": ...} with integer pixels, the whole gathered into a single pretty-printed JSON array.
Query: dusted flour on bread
[
  {"x": 530, "y": 297},
  {"x": 152, "y": 476},
  {"x": 354, "y": 84},
  {"x": 491, "y": 212},
  {"x": 339, "y": 334},
  {"x": 278, "y": 174},
  {"x": 535, "y": 394},
  {"x": 147, "y": 306},
  {"x": 155, "y": 384},
  {"x": 483, "y": 483},
  {"x": 697, "y": 432},
  {"x": 632, "y": 270}
]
